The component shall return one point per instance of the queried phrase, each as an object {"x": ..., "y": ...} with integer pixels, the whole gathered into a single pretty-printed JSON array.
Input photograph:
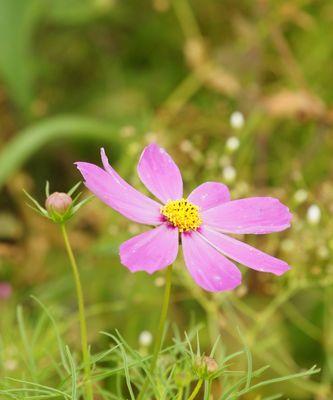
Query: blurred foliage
[
  {"x": 78, "y": 75},
  {"x": 17, "y": 22}
]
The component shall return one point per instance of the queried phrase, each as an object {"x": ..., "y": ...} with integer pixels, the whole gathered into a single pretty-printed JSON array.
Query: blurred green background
[{"x": 76, "y": 75}]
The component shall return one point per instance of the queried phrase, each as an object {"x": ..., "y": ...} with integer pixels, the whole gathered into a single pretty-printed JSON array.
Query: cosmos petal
[
  {"x": 159, "y": 173},
  {"x": 150, "y": 251},
  {"x": 209, "y": 195},
  {"x": 245, "y": 254},
  {"x": 118, "y": 194},
  {"x": 209, "y": 268},
  {"x": 251, "y": 215}
]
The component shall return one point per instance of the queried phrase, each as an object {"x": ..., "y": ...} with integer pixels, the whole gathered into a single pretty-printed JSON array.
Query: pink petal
[
  {"x": 244, "y": 254},
  {"x": 252, "y": 215},
  {"x": 209, "y": 268},
  {"x": 118, "y": 194},
  {"x": 209, "y": 194},
  {"x": 160, "y": 174},
  {"x": 151, "y": 250}
]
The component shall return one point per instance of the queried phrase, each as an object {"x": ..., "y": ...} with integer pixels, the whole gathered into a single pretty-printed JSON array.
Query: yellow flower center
[{"x": 182, "y": 214}]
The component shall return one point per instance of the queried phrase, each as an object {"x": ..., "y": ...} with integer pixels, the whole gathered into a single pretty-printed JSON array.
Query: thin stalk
[
  {"x": 180, "y": 393},
  {"x": 208, "y": 384},
  {"x": 82, "y": 317},
  {"x": 196, "y": 390},
  {"x": 160, "y": 329},
  {"x": 327, "y": 335}
]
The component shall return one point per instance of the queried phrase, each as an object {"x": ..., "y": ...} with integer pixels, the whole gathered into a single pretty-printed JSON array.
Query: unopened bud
[
  {"x": 59, "y": 207},
  {"x": 58, "y": 202},
  {"x": 205, "y": 366},
  {"x": 210, "y": 364}
]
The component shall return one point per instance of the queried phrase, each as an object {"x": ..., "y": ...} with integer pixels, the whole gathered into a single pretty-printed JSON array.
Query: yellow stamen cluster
[{"x": 182, "y": 214}]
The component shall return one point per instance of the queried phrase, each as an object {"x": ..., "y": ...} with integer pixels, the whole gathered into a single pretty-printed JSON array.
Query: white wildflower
[
  {"x": 232, "y": 144},
  {"x": 145, "y": 338},
  {"x": 313, "y": 214},
  {"x": 237, "y": 120},
  {"x": 301, "y": 195},
  {"x": 229, "y": 174}
]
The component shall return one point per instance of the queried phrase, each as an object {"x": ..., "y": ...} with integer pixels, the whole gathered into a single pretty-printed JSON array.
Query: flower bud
[
  {"x": 210, "y": 364},
  {"x": 204, "y": 366},
  {"x": 58, "y": 202}
]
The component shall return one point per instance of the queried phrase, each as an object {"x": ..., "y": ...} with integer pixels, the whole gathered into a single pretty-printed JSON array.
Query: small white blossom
[
  {"x": 232, "y": 143},
  {"x": 237, "y": 120},
  {"x": 145, "y": 338},
  {"x": 313, "y": 214},
  {"x": 10, "y": 364},
  {"x": 301, "y": 195},
  {"x": 229, "y": 174},
  {"x": 186, "y": 146},
  {"x": 159, "y": 281}
]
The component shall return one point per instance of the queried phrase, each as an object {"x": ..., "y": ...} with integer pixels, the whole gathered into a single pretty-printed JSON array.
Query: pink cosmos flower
[
  {"x": 5, "y": 290},
  {"x": 203, "y": 221}
]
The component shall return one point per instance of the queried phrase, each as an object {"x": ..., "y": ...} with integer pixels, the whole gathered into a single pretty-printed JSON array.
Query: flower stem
[
  {"x": 196, "y": 390},
  {"x": 180, "y": 393},
  {"x": 160, "y": 329},
  {"x": 82, "y": 317}
]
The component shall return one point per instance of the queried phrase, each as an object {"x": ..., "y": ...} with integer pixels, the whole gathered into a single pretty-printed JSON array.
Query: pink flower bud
[
  {"x": 205, "y": 365},
  {"x": 5, "y": 290},
  {"x": 58, "y": 202},
  {"x": 210, "y": 364}
]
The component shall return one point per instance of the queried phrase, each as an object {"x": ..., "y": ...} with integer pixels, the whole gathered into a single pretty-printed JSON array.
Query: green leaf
[
  {"x": 73, "y": 373},
  {"x": 32, "y": 139},
  {"x": 18, "y": 20},
  {"x": 47, "y": 189},
  {"x": 76, "y": 12},
  {"x": 248, "y": 358},
  {"x": 71, "y": 191},
  {"x": 60, "y": 343},
  {"x": 313, "y": 370}
]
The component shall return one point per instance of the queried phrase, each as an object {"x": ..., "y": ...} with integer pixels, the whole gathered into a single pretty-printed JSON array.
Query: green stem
[
  {"x": 82, "y": 317},
  {"x": 160, "y": 329},
  {"x": 180, "y": 393},
  {"x": 327, "y": 337},
  {"x": 196, "y": 390},
  {"x": 208, "y": 384}
]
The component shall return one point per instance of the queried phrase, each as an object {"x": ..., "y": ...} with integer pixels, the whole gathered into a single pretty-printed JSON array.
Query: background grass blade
[{"x": 32, "y": 139}]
